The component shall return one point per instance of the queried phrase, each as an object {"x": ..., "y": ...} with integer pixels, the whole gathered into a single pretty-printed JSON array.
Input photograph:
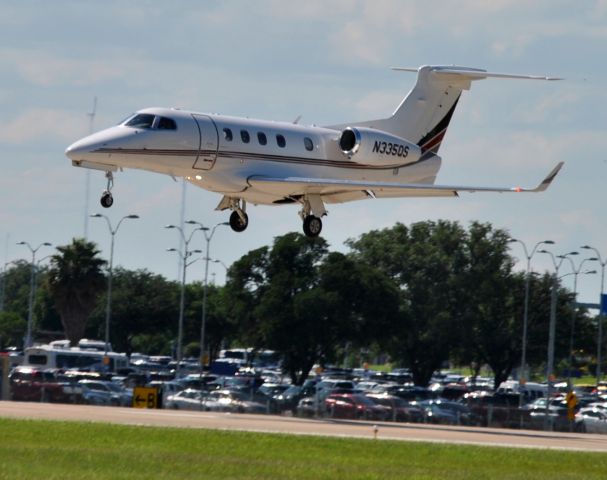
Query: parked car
[
  {"x": 437, "y": 413},
  {"x": 591, "y": 420},
  {"x": 188, "y": 399},
  {"x": 37, "y": 385},
  {"x": 290, "y": 398},
  {"x": 99, "y": 392},
  {"x": 306, "y": 407},
  {"x": 355, "y": 406},
  {"x": 399, "y": 410},
  {"x": 233, "y": 401}
]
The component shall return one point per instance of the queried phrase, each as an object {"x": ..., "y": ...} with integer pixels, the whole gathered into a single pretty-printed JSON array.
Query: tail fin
[{"x": 424, "y": 114}]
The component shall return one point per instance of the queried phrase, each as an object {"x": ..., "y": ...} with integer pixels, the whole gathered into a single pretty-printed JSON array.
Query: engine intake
[{"x": 374, "y": 147}]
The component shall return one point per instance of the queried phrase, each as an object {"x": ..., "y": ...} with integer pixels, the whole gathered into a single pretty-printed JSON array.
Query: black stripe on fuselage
[{"x": 255, "y": 156}]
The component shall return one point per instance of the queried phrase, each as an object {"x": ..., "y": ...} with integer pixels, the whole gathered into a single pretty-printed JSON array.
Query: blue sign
[{"x": 604, "y": 304}]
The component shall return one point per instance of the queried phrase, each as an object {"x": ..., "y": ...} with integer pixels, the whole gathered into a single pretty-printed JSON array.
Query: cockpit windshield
[
  {"x": 149, "y": 121},
  {"x": 141, "y": 120}
]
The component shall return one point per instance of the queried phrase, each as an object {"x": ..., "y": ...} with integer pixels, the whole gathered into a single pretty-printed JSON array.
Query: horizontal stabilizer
[{"x": 473, "y": 73}]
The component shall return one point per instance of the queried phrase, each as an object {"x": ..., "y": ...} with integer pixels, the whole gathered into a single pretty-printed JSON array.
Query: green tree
[
  {"x": 219, "y": 328},
  {"x": 489, "y": 302},
  {"x": 306, "y": 303},
  {"x": 144, "y": 306},
  {"x": 12, "y": 329},
  {"x": 75, "y": 282},
  {"x": 424, "y": 261}
]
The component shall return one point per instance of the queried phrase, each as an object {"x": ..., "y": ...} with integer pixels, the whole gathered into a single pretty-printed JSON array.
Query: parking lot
[{"x": 355, "y": 394}]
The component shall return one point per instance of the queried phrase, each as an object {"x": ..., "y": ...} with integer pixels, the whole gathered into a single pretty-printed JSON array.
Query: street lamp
[
  {"x": 208, "y": 237},
  {"x": 522, "y": 376},
  {"x": 575, "y": 272},
  {"x": 184, "y": 264},
  {"x": 28, "y": 336},
  {"x": 108, "y": 305},
  {"x": 600, "y": 326},
  {"x": 215, "y": 260},
  {"x": 552, "y": 327}
]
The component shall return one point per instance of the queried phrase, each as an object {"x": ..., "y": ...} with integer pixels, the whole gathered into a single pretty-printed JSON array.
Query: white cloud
[
  {"x": 42, "y": 124},
  {"x": 40, "y": 68}
]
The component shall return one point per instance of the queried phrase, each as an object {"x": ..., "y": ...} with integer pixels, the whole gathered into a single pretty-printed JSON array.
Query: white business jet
[{"x": 275, "y": 163}]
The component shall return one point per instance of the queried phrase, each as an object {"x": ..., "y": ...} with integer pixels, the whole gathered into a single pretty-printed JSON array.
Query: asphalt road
[{"x": 299, "y": 426}]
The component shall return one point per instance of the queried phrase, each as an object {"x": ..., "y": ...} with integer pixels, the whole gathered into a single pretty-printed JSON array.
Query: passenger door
[{"x": 207, "y": 149}]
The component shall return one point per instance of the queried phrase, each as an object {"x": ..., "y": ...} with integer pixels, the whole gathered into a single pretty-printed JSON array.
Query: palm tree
[{"x": 75, "y": 282}]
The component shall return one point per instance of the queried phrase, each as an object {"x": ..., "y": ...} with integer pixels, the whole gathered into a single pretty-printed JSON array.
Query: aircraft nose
[{"x": 77, "y": 150}]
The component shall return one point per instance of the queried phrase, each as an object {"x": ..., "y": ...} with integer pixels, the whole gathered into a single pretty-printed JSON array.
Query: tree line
[{"x": 422, "y": 295}]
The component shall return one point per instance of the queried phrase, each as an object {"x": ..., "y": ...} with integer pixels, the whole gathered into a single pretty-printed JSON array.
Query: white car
[
  {"x": 189, "y": 399},
  {"x": 591, "y": 420}
]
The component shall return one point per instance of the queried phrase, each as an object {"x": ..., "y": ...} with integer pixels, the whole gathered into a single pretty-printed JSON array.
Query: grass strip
[{"x": 68, "y": 450}]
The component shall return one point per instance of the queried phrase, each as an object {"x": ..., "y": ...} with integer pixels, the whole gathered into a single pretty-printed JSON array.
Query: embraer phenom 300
[{"x": 275, "y": 163}]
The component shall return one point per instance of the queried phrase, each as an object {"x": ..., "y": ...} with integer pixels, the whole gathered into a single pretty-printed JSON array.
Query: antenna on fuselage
[{"x": 87, "y": 186}]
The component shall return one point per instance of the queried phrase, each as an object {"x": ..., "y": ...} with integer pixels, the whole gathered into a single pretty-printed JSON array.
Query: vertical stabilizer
[{"x": 424, "y": 114}]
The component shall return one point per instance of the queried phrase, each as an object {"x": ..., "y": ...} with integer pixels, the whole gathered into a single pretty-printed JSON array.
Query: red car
[
  {"x": 33, "y": 384},
  {"x": 356, "y": 406}
]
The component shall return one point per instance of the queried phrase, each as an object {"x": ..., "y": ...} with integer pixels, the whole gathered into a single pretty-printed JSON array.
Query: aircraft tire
[
  {"x": 107, "y": 200},
  {"x": 312, "y": 226},
  {"x": 236, "y": 222}
]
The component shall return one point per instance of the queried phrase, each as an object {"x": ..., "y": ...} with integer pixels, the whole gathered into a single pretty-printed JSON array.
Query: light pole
[
  {"x": 108, "y": 305},
  {"x": 28, "y": 336},
  {"x": 208, "y": 237},
  {"x": 184, "y": 265},
  {"x": 552, "y": 327},
  {"x": 599, "y": 348},
  {"x": 522, "y": 377},
  {"x": 215, "y": 260},
  {"x": 575, "y": 272}
]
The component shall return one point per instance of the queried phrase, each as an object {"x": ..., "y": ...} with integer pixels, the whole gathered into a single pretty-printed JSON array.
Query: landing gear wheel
[
  {"x": 107, "y": 200},
  {"x": 312, "y": 226},
  {"x": 237, "y": 223}
]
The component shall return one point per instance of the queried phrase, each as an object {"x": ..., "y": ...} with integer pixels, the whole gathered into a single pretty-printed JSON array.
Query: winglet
[{"x": 548, "y": 180}]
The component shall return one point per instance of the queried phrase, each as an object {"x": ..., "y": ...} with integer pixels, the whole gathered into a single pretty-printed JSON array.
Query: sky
[{"x": 327, "y": 61}]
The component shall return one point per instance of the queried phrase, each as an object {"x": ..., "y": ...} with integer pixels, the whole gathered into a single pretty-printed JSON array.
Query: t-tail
[{"x": 425, "y": 113}]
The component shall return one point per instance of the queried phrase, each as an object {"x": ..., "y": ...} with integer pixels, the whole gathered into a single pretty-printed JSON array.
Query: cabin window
[
  {"x": 261, "y": 138},
  {"x": 141, "y": 120},
  {"x": 227, "y": 134},
  {"x": 165, "y": 123},
  {"x": 309, "y": 144},
  {"x": 244, "y": 136},
  {"x": 280, "y": 141}
]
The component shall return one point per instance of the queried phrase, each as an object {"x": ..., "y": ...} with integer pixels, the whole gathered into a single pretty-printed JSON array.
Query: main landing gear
[
  {"x": 313, "y": 209},
  {"x": 312, "y": 226},
  {"x": 106, "y": 197}
]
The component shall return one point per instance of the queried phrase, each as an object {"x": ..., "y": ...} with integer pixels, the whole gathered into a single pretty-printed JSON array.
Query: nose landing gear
[
  {"x": 107, "y": 200},
  {"x": 239, "y": 220}
]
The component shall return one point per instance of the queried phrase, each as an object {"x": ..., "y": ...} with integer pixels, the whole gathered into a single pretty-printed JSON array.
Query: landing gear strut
[
  {"x": 239, "y": 220},
  {"x": 106, "y": 197},
  {"x": 313, "y": 209}
]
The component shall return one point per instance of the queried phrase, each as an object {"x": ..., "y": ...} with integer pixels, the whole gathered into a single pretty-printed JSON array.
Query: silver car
[
  {"x": 591, "y": 420},
  {"x": 189, "y": 399}
]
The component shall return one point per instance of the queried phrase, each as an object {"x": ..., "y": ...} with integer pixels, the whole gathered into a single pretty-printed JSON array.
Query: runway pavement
[{"x": 299, "y": 426}]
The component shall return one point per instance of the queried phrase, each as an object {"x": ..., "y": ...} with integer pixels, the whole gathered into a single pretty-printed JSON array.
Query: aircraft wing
[{"x": 291, "y": 186}]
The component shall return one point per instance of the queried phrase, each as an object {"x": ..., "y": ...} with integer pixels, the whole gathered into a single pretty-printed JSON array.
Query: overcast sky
[{"x": 327, "y": 61}]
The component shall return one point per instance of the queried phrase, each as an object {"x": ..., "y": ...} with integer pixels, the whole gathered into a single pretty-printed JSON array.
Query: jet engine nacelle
[{"x": 369, "y": 146}]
